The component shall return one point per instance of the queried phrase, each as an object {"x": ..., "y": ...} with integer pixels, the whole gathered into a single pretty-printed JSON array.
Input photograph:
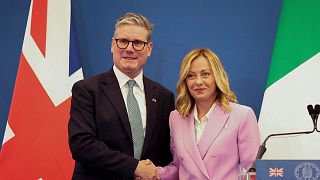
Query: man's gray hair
[{"x": 136, "y": 19}]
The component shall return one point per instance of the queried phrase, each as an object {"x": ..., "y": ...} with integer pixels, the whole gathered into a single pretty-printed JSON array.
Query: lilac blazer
[{"x": 229, "y": 139}]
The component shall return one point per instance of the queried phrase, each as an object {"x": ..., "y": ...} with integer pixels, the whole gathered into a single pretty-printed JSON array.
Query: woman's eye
[
  {"x": 190, "y": 76},
  {"x": 206, "y": 74}
]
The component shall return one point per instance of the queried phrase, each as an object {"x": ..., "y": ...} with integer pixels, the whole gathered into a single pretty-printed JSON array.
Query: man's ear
[
  {"x": 149, "y": 46},
  {"x": 112, "y": 45}
]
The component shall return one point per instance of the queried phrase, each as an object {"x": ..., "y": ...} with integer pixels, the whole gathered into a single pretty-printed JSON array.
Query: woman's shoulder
[
  {"x": 176, "y": 116},
  {"x": 239, "y": 107}
]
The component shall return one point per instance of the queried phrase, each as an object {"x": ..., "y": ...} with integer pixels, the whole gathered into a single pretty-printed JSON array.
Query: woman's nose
[{"x": 198, "y": 80}]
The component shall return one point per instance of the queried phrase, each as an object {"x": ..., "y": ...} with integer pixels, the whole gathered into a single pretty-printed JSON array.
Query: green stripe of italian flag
[{"x": 293, "y": 82}]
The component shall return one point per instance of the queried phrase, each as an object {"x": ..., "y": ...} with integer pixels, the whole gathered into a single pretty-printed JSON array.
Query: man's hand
[{"x": 146, "y": 170}]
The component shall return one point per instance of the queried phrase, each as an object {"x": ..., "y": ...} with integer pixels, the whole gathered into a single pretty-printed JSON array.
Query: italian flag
[{"x": 293, "y": 83}]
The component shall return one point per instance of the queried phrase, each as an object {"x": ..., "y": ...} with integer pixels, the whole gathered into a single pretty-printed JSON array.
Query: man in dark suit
[{"x": 101, "y": 131}]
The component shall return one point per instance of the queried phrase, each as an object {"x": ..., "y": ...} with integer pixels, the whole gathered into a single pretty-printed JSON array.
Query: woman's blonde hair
[{"x": 185, "y": 102}]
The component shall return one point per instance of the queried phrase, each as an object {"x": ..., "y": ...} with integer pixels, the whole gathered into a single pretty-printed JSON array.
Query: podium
[{"x": 288, "y": 169}]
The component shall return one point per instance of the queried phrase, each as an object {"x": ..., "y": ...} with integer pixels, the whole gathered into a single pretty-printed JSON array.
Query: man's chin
[{"x": 130, "y": 72}]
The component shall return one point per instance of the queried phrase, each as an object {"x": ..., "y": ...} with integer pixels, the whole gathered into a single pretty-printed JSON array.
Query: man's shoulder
[
  {"x": 95, "y": 79},
  {"x": 156, "y": 85}
]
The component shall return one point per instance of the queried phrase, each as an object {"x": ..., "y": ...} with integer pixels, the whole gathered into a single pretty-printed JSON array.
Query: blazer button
[
  {"x": 181, "y": 157},
  {"x": 213, "y": 154}
]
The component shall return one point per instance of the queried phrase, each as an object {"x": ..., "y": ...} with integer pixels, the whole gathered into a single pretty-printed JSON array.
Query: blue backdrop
[{"x": 241, "y": 33}]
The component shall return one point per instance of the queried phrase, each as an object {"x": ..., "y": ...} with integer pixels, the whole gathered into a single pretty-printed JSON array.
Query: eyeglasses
[{"x": 136, "y": 44}]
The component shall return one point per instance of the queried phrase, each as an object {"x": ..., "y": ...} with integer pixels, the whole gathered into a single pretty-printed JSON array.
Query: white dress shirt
[
  {"x": 201, "y": 125},
  {"x": 138, "y": 91}
]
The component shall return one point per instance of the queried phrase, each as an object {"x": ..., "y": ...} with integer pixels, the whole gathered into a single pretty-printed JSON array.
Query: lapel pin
[{"x": 154, "y": 100}]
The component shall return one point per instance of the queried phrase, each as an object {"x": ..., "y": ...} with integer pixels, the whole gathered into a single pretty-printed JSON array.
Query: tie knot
[{"x": 131, "y": 83}]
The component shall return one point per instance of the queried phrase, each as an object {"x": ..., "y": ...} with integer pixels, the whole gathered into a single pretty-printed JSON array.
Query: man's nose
[{"x": 130, "y": 47}]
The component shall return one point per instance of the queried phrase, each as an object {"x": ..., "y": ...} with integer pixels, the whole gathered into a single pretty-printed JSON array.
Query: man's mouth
[{"x": 130, "y": 58}]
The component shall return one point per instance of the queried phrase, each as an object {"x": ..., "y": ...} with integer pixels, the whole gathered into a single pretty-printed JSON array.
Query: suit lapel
[
  {"x": 112, "y": 90},
  {"x": 190, "y": 143},
  {"x": 151, "y": 104},
  {"x": 214, "y": 126}
]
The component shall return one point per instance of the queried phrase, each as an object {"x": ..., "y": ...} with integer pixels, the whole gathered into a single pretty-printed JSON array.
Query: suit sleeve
[
  {"x": 83, "y": 142},
  {"x": 248, "y": 139},
  {"x": 171, "y": 171}
]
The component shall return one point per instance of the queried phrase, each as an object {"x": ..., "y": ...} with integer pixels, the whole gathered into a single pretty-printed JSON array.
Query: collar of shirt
[
  {"x": 137, "y": 90},
  {"x": 201, "y": 125},
  {"x": 206, "y": 117},
  {"x": 123, "y": 79}
]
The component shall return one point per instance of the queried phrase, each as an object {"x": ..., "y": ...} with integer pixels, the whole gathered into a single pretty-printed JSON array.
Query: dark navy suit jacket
[{"x": 100, "y": 137}]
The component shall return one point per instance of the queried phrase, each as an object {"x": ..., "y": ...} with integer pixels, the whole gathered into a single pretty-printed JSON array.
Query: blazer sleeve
[
  {"x": 171, "y": 171},
  {"x": 84, "y": 145},
  {"x": 248, "y": 139}
]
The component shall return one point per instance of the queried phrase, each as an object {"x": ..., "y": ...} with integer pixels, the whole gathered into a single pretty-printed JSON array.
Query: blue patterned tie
[{"x": 135, "y": 121}]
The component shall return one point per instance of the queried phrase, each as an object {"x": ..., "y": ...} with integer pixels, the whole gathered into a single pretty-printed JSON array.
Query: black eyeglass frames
[{"x": 124, "y": 43}]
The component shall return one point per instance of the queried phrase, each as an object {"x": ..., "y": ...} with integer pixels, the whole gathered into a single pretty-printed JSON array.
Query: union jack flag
[
  {"x": 276, "y": 172},
  {"x": 35, "y": 145}
]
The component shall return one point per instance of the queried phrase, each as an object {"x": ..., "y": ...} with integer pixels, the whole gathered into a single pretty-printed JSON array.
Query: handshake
[{"x": 146, "y": 170}]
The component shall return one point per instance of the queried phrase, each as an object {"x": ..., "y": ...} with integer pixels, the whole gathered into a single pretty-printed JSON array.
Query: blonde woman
[{"x": 211, "y": 134}]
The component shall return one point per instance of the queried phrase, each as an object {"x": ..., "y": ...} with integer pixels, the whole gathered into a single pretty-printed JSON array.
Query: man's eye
[
  {"x": 123, "y": 41},
  {"x": 139, "y": 43}
]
